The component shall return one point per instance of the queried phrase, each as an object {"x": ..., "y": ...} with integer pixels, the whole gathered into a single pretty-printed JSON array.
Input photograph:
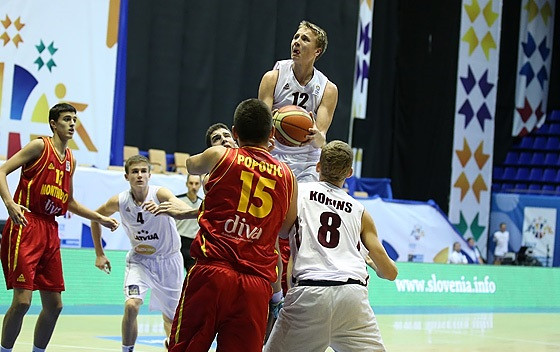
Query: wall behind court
[
  {"x": 434, "y": 288},
  {"x": 190, "y": 63}
]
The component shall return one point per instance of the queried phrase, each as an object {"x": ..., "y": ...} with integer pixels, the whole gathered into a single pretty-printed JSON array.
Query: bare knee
[
  {"x": 132, "y": 307},
  {"x": 54, "y": 309},
  {"x": 20, "y": 307}
]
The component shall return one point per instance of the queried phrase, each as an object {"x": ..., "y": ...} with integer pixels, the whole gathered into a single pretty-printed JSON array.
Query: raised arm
[
  {"x": 204, "y": 162},
  {"x": 266, "y": 88},
  {"x": 385, "y": 267},
  {"x": 107, "y": 209},
  {"x": 170, "y": 205},
  {"x": 25, "y": 156}
]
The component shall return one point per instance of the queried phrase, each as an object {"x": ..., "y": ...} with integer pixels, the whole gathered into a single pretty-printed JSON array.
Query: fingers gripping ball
[{"x": 292, "y": 125}]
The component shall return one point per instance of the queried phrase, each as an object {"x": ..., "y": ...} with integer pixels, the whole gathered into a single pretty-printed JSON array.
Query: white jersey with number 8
[{"x": 326, "y": 245}]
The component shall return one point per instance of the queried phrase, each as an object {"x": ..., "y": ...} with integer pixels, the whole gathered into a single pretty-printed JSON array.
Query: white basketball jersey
[
  {"x": 288, "y": 91},
  {"x": 148, "y": 234},
  {"x": 325, "y": 246}
]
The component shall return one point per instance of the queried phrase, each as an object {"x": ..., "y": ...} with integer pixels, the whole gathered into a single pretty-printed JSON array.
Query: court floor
[{"x": 481, "y": 332}]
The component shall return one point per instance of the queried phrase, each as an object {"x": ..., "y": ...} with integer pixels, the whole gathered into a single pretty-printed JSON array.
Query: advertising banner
[{"x": 58, "y": 51}]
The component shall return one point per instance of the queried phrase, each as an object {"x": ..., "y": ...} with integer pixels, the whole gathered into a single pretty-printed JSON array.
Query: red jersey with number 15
[
  {"x": 248, "y": 196},
  {"x": 44, "y": 185}
]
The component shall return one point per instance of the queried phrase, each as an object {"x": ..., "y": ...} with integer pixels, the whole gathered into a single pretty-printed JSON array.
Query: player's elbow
[{"x": 390, "y": 273}]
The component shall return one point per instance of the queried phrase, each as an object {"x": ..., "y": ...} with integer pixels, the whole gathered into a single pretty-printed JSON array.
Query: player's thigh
[
  {"x": 136, "y": 280},
  {"x": 246, "y": 311},
  {"x": 166, "y": 286},
  {"x": 354, "y": 326},
  {"x": 48, "y": 276},
  {"x": 304, "y": 321},
  {"x": 196, "y": 317}
]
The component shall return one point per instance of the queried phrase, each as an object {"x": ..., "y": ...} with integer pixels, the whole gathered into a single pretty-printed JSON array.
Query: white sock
[
  {"x": 37, "y": 349},
  {"x": 4, "y": 349},
  {"x": 127, "y": 348}
]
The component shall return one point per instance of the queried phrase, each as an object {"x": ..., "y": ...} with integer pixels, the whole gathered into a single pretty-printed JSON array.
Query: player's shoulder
[
  {"x": 36, "y": 145},
  {"x": 270, "y": 76},
  {"x": 331, "y": 87}
]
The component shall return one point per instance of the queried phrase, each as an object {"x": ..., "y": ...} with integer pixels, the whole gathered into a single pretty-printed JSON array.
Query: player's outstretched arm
[
  {"x": 25, "y": 156},
  {"x": 170, "y": 205},
  {"x": 107, "y": 209},
  {"x": 77, "y": 208},
  {"x": 385, "y": 267}
]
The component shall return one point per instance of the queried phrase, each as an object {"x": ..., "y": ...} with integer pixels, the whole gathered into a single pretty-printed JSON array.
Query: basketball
[{"x": 292, "y": 125}]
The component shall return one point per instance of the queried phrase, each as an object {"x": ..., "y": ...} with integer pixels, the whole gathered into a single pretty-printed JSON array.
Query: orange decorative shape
[
  {"x": 478, "y": 186},
  {"x": 480, "y": 157},
  {"x": 465, "y": 154},
  {"x": 462, "y": 183}
]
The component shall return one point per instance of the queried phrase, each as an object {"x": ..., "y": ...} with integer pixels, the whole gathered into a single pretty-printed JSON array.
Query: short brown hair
[
  {"x": 322, "y": 40},
  {"x": 135, "y": 159},
  {"x": 252, "y": 120},
  {"x": 55, "y": 111},
  {"x": 336, "y": 161}
]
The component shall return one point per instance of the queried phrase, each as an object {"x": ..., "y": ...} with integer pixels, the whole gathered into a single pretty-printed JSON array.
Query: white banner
[
  {"x": 536, "y": 38},
  {"x": 539, "y": 230},
  {"x": 92, "y": 188},
  {"x": 475, "y": 108},
  {"x": 363, "y": 54},
  {"x": 58, "y": 51},
  {"x": 413, "y": 231}
]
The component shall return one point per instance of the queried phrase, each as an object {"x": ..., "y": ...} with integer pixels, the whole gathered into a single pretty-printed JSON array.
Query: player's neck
[
  {"x": 59, "y": 145},
  {"x": 303, "y": 72},
  {"x": 139, "y": 194},
  {"x": 256, "y": 145}
]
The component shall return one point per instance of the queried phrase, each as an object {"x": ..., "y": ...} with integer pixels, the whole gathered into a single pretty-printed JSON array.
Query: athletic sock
[
  {"x": 4, "y": 349},
  {"x": 128, "y": 348},
  {"x": 37, "y": 349}
]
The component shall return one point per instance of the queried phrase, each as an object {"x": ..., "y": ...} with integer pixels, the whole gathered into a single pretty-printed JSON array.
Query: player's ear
[
  {"x": 350, "y": 172},
  {"x": 318, "y": 167},
  {"x": 318, "y": 52},
  {"x": 272, "y": 131},
  {"x": 234, "y": 133}
]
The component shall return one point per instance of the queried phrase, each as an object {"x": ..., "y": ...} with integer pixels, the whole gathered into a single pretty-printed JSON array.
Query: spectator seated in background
[
  {"x": 456, "y": 256},
  {"x": 478, "y": 257}
]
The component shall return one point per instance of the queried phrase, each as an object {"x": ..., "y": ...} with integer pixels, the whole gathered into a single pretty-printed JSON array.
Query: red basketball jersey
[
  {"x": 44, "y": 185},
  {"x": 248, "y": 196}
]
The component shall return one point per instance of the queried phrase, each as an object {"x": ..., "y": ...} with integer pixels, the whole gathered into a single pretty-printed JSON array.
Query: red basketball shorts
[
  {"x": 31, "y": 255},
  {"x": 216, "y": 299}
]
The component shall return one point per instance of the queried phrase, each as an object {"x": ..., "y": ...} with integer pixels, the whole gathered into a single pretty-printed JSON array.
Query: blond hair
[
  {"x": 336, "y": 161},
  {"x": 322, "y": 40}
]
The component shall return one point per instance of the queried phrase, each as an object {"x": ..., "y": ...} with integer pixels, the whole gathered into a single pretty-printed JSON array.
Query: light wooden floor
[{"x": 481, "y": 332}]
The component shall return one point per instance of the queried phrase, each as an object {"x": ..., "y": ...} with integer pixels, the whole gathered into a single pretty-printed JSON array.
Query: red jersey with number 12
[
  {"x": 248, "y": 196},
  {"x": 44, "y": 185}
]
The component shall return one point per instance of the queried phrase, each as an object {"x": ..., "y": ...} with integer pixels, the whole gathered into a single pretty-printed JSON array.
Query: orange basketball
[{"x": 292, "y": 125}]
